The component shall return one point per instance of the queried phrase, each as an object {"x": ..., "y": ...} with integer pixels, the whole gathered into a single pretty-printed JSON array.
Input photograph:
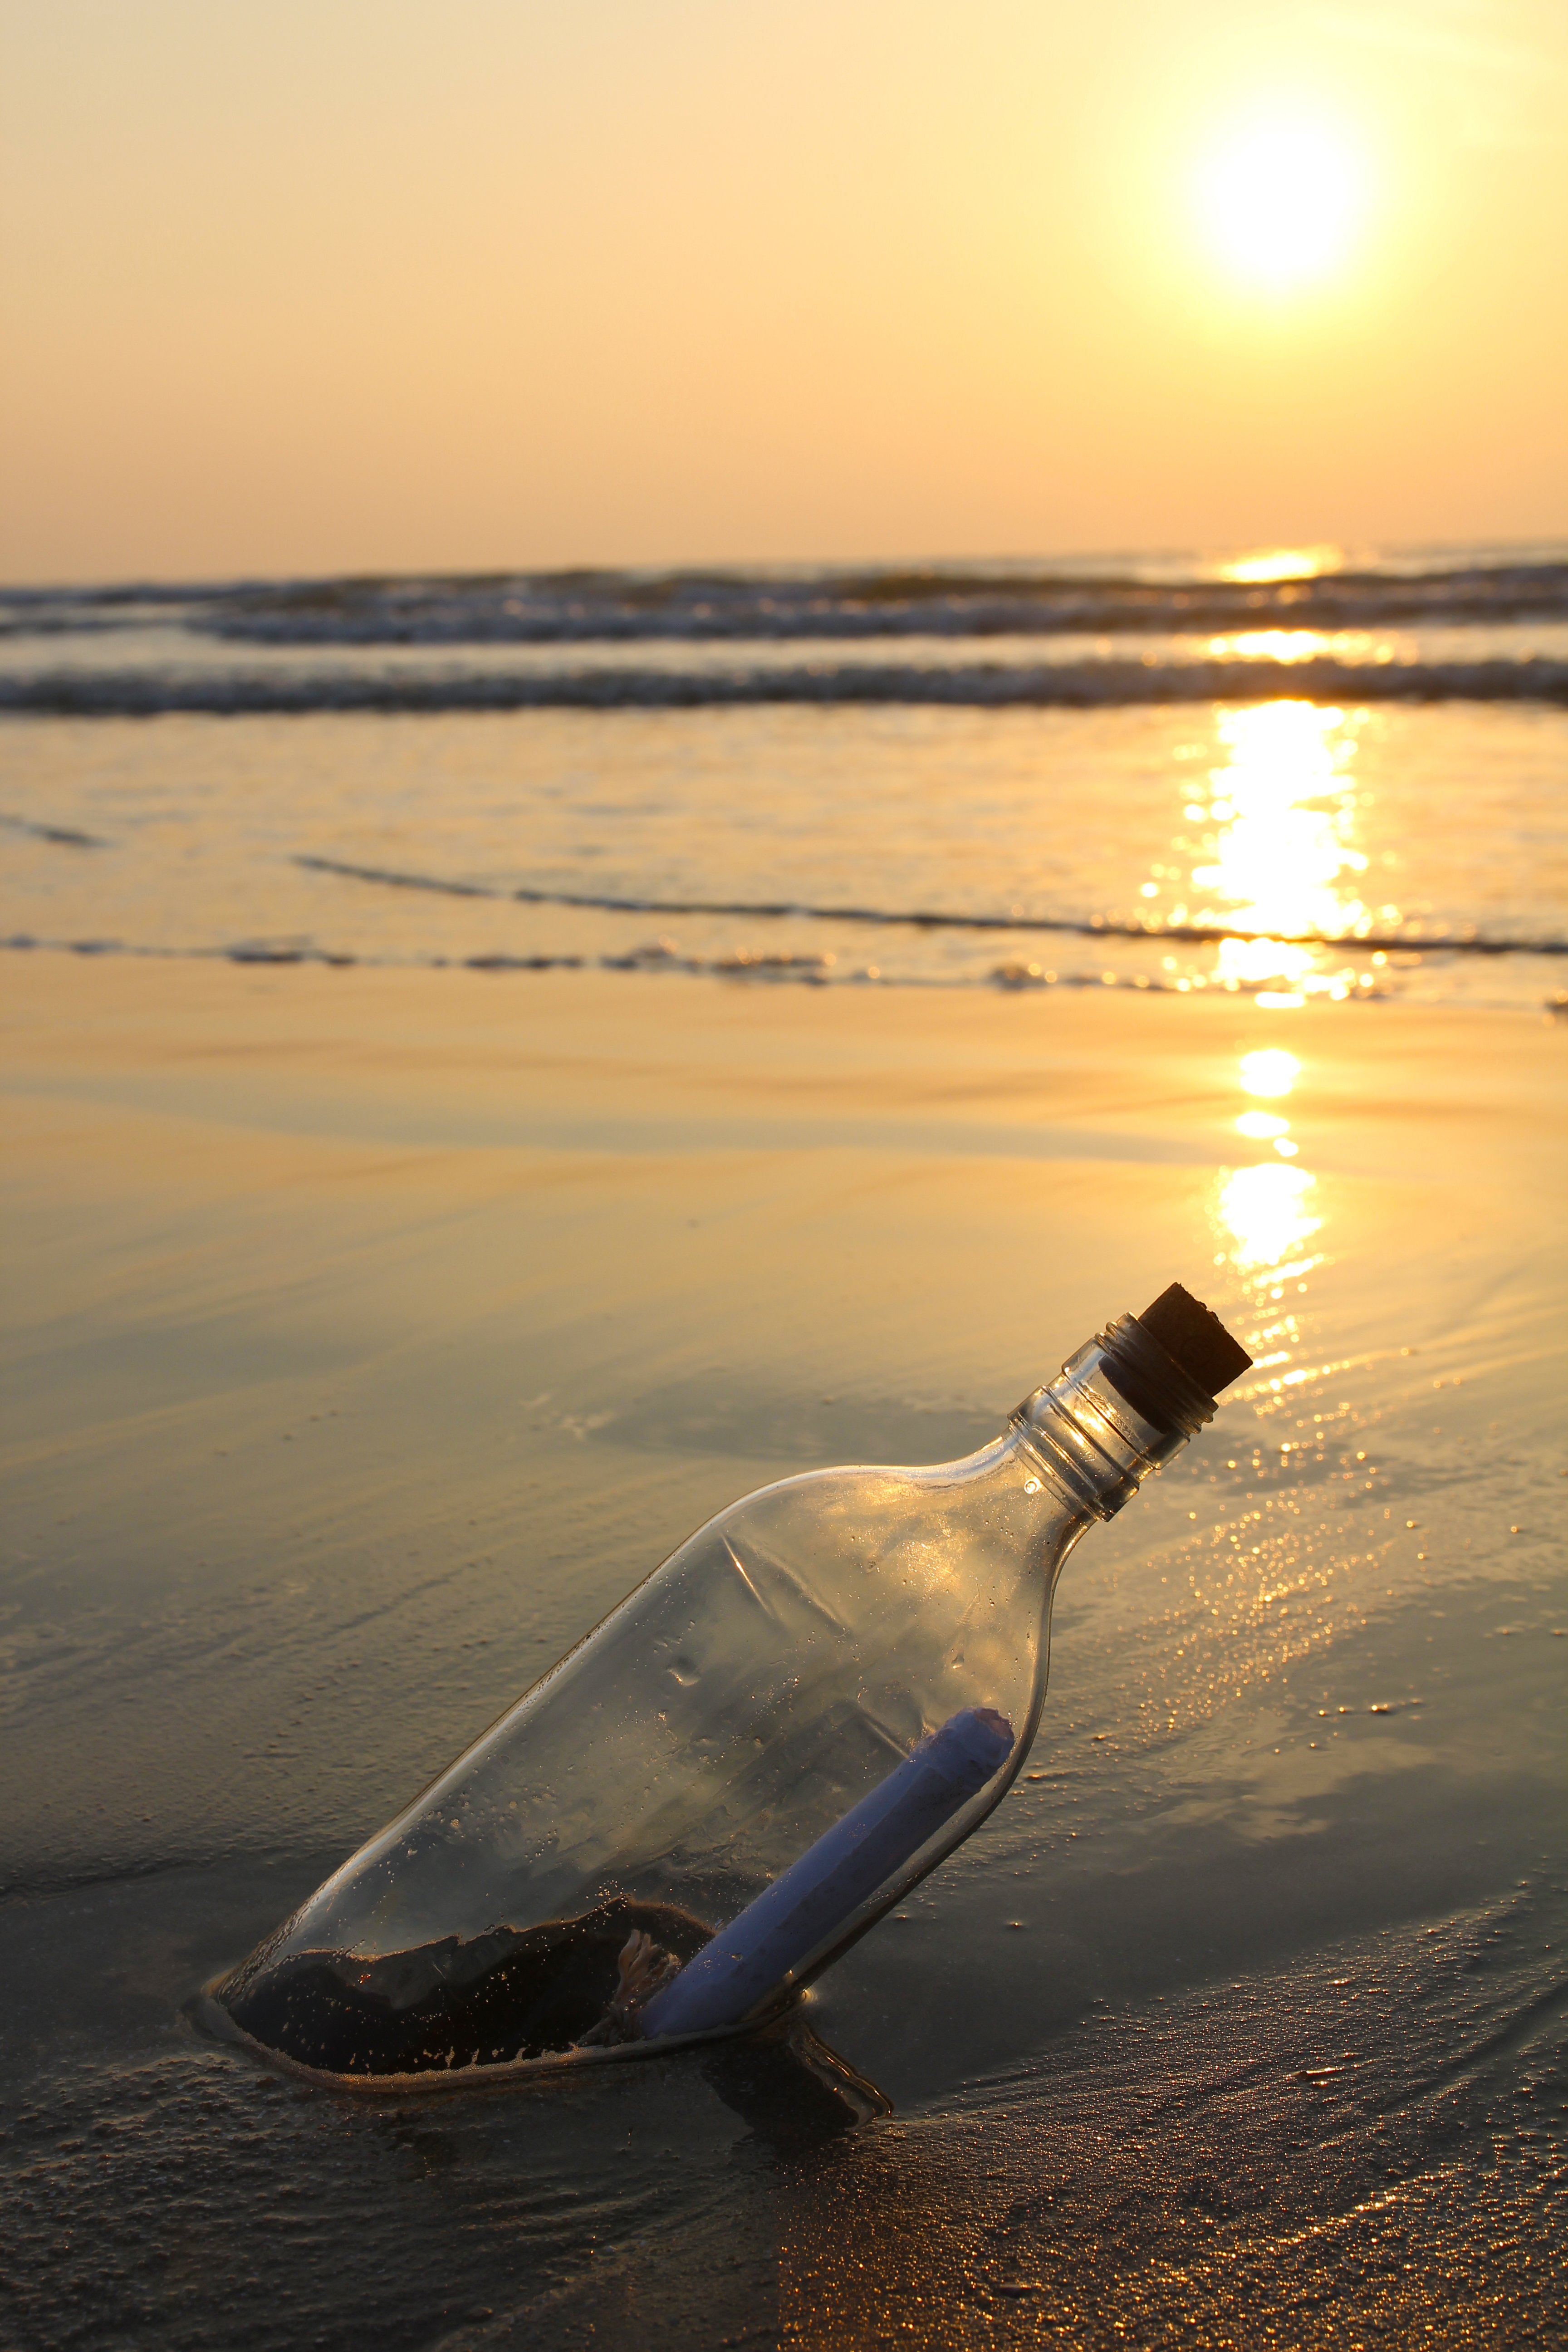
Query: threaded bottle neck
[{"x": 1119, "y": 1409}]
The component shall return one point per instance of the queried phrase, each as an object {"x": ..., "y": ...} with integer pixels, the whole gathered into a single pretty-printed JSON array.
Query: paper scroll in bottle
[{"x": 810, "y": 1900}]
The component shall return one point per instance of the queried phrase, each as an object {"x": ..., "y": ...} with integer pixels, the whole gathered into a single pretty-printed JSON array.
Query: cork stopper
[{"x": 1194, "y": 1337}]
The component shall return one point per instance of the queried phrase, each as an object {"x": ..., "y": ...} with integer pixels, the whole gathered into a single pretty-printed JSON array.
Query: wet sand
[{"x": 368, "y": 1333}]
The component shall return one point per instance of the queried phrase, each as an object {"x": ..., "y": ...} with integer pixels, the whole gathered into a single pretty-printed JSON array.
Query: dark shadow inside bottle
[
  {"x": 457, "y": 2007},
  {"x": 453, "y": 2004}
]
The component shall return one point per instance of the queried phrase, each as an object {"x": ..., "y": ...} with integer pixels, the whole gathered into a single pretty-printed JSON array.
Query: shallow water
[
  {"x": 1030, "y": 849},
  {"x": 1151, "y": 775}
]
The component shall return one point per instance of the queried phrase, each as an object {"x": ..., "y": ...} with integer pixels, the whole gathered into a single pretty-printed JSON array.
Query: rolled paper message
[{"x": 799, "y": 1912}]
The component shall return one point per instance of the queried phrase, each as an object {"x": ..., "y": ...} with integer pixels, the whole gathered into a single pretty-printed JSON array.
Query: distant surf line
[
  {"x": 820, "y": 603},
  {"x": 930, "y": 919},
  {"x": 996, "y": 686}
]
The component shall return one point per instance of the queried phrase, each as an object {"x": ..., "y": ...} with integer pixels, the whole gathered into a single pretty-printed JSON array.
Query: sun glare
[
  {"x": 1279, "y": 200},
  {"x": 1264, "y": 1211},
  {"x": 1273, "y": 563}
]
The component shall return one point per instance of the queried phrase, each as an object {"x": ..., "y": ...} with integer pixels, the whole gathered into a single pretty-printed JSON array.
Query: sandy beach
[
  {"x": 721, "y": 729},
  {"x": 370, "y": 1332}
]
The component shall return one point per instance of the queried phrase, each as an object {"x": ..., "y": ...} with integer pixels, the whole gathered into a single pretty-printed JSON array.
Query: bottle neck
[{"x": 1117, "y": 1411}]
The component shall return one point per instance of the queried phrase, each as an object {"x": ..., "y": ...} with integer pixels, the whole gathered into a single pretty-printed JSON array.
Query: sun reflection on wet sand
[
  {"x": 1264, "y": 1214},
  {"x": 1263, "y": 1127},
  {"x": 1270, "y": 1070}
]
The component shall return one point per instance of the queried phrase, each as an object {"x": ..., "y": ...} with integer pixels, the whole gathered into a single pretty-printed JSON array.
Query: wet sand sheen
[{"x": 369, "y": 1333}]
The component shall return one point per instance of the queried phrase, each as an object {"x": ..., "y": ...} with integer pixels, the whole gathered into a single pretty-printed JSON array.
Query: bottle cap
[
  {"x": 1193, "y": 1337},
  {"x": 1172, "y": 1361}
]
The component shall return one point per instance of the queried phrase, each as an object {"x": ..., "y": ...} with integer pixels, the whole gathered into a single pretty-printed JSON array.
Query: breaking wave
[
  {"x": 1107, "y": 597},
  {"x": 84, "y": 693}
]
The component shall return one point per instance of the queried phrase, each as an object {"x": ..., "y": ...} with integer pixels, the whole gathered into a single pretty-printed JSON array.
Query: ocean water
[
  {"x": 1294, "y": 776},
  {"x": 369, "y": 1331}
]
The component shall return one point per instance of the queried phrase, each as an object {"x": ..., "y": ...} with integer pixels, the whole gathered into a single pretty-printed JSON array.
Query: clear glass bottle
[{"x": 812, "y": 1702}]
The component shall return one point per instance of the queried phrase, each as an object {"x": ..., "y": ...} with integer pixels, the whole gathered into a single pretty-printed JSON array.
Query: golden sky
[{"x": 325, "y": 285}]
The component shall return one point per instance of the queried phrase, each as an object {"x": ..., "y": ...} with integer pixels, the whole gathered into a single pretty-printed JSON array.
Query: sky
[{"x": 317, "y": 286}]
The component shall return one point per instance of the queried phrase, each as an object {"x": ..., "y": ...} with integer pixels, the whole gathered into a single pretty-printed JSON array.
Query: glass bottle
[{"x": 815, "y": 1699}]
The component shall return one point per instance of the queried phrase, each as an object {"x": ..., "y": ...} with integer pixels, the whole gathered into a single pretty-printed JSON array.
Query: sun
[{"x": 1279, "y": 199}]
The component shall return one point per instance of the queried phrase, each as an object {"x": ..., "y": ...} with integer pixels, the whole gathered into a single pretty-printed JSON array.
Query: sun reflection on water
[
  {"x": 1267, "y": 564},
  {"x": 1285, "y": 806},
  {"x": 1301, "y": 644},
  {"x": 1278, "y": 856}
]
